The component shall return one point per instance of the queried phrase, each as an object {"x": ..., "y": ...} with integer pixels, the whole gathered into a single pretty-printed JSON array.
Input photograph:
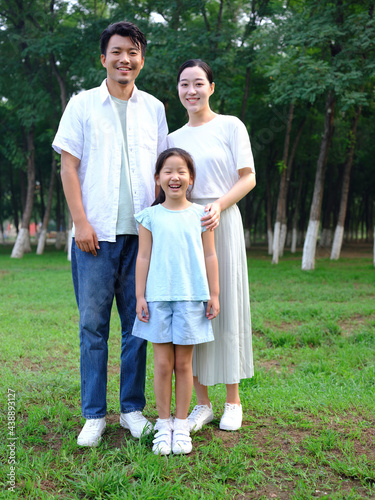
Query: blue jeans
[{"x": 97, "y": 280}]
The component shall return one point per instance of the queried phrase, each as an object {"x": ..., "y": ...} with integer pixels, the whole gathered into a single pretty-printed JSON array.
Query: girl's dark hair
[
  {"x": 123, "y": 28},
  {"x": 160, "y": 163},
  {"x": 192, "y": 63}
]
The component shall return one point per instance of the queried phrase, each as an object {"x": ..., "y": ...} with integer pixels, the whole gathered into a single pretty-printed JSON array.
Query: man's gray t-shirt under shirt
[{"x": 125, "y": 217}]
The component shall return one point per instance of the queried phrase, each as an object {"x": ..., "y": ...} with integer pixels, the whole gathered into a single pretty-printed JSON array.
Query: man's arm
[{"x": 85, "y": 236}]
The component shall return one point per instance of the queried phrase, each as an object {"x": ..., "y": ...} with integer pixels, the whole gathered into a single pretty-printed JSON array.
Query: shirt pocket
[{"x": 148, "y": 137}]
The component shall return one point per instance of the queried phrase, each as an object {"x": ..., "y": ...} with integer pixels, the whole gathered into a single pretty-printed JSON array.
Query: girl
[
  {"x": 222, "y": 154},
  {"x": 175, "y": 258}
]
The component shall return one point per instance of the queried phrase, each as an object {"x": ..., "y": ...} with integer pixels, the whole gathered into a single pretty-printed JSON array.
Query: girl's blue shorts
[{"x": 180, "y": 322}]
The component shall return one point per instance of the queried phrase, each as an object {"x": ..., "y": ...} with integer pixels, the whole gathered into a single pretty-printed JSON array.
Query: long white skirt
[{"x": 229, "y": 358}]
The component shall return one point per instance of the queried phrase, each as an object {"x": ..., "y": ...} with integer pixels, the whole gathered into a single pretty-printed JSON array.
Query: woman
[{"x": 222, "y": 154}]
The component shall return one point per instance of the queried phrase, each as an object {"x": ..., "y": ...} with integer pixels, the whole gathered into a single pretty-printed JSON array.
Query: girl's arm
[
  {"x": 212, "y": 268},
  {"x": 244, "y": 185},
  {"x": 141, "y": 272}
]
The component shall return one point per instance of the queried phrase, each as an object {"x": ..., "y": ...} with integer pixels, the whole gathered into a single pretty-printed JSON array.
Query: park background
[{"x": 300, "y": 74}]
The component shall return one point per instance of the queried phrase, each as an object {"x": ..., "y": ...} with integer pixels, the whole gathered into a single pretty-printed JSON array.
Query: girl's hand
[
  {"x": 213, "y": 308},
  {"x": 142, "y": 310},
  {"x": 211, "y": 220}
]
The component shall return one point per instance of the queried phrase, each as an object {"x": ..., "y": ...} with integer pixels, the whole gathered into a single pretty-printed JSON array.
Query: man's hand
[{"x": 86, "y": 238}]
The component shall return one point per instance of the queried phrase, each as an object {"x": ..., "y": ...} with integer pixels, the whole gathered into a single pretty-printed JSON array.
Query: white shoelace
[
  {"x": 137, "y": 416},
  {"x": 198, "y": 410}
]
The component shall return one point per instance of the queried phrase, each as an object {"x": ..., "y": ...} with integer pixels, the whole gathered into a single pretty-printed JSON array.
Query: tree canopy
[{"x": 274, "y": 64}]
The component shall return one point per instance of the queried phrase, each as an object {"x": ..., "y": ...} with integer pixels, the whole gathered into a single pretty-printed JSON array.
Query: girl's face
[
  {"x": 174, "y": 178},
  {"x": 194, "y": 90}
]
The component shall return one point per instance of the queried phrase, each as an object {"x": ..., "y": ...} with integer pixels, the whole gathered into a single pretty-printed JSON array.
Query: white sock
[
  {"x": 164, "y": 420},
  {"x": 181, "y": 422}
]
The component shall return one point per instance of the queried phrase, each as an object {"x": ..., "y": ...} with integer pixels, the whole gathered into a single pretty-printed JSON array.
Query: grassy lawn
[{"x": 309, "y": 411}]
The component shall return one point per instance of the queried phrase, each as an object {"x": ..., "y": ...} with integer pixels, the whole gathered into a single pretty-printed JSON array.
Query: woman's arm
[
  {"x": 141, "y": 272},
  {"x": 212, "y": 269},
  {"x": 244, "y": 185}
]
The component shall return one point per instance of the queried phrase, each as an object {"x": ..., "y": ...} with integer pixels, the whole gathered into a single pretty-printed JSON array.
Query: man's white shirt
[{"x": 90, "y": 130}]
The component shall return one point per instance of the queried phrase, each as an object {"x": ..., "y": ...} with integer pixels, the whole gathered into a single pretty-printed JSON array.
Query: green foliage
[{"x": 264, "y": 54}]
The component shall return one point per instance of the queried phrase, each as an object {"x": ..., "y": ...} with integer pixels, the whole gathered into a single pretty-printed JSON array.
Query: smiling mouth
[{"x": 174, "y": 186}]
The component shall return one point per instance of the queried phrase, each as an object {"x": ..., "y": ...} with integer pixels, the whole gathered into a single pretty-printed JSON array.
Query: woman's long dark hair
[
  {"x": 192, "y": 63},
  {"x": 160, "y": 163}
]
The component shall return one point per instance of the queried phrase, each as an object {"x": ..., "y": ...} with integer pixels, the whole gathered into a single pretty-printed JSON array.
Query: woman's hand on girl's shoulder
[{"x": 211, "y": 220}]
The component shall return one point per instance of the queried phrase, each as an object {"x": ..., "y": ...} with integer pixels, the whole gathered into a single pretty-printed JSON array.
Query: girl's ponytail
[{"x": 160, "y": 198}]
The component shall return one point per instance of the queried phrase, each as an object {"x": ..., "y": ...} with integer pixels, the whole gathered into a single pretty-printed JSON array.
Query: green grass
[{"x": 309, "y": 411}]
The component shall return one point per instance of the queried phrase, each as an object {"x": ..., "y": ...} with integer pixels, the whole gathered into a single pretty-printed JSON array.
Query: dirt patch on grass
[
  {"x": 273, "y": 446},
  {"x": 351, "y": 325},
  {"x": 348, "y": 251},
  {"x": 269, "y": 365},
  {"x": 283, "y": 326}
]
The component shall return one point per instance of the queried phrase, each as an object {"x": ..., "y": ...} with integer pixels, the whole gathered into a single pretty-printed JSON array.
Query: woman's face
[{"x": 194, "y": 90}]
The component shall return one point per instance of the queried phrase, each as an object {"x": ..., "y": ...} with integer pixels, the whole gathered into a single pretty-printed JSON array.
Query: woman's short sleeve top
[
  {"x": 177, "y": 267},
  {"x": 219, "y": 148}
]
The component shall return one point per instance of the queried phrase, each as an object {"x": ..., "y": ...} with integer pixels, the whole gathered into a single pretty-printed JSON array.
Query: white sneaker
[
  {"x": 181, "y": 437},
  {"x": 92, "y": 431},
  {"x": 162, "y": 444},
  {"x": 137, "y": 424},
  {"x": 201, "y": 415},
  {"x": 232, "y": 417}
]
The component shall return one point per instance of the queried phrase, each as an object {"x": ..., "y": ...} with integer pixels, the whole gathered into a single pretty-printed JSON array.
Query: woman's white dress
[{"x": 220, "y": 148}]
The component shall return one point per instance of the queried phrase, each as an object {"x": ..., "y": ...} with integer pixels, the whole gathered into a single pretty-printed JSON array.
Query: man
[{"x": 109, "y": 138}]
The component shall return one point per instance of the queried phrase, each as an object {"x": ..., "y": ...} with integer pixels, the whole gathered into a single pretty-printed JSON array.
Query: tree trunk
[
  {"x": 41, "y": 194},
  {"x": 339, "y": 231},
  {"x": 287, "y": 183},
  {"x": 61, "y": 235},
  {"x": 309, "y": 248},
  {"x": 47, "y": 213},
  {"x": 293, "y": 246},
  {"x": 282, "y": 191},
  {"x": 14, "y": 200},
  {"x": 269, "y": 206},
  {"x": 325, "y": 238},
  {"x": 246, "y": 93},
  {"x": 23, "y": 237}
]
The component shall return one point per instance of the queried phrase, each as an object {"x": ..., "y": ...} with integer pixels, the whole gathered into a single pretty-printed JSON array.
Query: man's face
[{"x": 123, "y": 60}]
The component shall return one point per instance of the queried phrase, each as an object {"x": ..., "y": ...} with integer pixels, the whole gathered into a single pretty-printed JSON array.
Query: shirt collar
[{"x": 104, "y": 94}]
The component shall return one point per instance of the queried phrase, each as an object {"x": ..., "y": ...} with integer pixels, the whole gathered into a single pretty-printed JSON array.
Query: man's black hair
[{"x": 123, "y": 28}]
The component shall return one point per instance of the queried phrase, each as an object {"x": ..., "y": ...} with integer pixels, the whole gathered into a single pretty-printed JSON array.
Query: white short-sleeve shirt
[
  {"x": 91, "y": 131},
  {"x": 219, "y": 149}
]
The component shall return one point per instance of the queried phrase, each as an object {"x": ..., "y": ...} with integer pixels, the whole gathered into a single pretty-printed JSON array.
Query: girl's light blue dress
[{"x": 177, "y": 275}]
